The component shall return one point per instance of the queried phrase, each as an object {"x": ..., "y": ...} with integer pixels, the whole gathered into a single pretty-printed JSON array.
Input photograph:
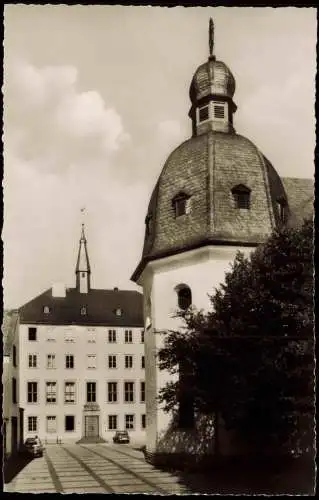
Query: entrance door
[{"x": 92, "y": 426}]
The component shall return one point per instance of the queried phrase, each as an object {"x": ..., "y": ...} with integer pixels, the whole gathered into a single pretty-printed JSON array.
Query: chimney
[{"x": 58, "y": 290}]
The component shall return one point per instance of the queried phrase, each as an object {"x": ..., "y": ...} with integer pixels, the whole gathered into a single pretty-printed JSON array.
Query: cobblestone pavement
[{"x": 97, "y": 468}]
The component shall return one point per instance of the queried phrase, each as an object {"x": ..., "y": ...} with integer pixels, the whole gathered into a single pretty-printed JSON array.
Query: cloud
[
  {"x": 169, "y": 130},
  {"x": 49, "y": 120}
]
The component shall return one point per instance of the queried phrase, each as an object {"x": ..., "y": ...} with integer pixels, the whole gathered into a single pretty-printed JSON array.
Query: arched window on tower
[
  {"x": 181, "y": 204},
  {"x": 184, "y": 296},
  {"x": 241, "y": 196}
]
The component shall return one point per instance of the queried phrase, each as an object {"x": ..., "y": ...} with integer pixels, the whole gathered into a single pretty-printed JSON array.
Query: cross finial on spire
[{"x": 211, "y": 38}]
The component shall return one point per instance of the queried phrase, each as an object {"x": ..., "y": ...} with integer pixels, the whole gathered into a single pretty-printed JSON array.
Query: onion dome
[{"x": 212, "y": 77}]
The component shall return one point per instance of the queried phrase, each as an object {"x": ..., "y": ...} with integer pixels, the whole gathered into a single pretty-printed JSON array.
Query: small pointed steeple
[{"x": 83, "y": 270}]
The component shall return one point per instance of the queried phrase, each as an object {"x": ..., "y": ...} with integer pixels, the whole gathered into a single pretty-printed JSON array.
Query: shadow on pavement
[
  {"x": 13, "y": 465},
  {"x": 245, "y": 477}
]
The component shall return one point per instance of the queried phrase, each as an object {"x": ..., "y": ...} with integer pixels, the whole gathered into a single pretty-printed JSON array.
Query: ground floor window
[
  {"x": 143, "y": 421},
  {"x": 129, "y": 422},
  {"x": 32, "y": 424},
  {"x": 51, "y": 424},
  {"x": 112, "y": 422},
  {"x": 69, "y": 423}
]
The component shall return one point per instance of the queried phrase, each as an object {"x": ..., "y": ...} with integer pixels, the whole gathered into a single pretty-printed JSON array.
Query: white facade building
[
  {"x": 12, "y": 413},
  {"x": 82, "y": 361}
]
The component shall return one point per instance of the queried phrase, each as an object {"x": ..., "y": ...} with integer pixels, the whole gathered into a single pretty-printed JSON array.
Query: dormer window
[
  {"x": 181, "y": 204},
  {"x": 46, "y": 309},
  {"x": 83, "y": 311},
  {"x": 203, "y": 113},
  {"x": 282, "y": 209},
  {"x": 118, "y": 311},
  {"x": 241, "y": 196},
  {"x": 148, "y": 220}
]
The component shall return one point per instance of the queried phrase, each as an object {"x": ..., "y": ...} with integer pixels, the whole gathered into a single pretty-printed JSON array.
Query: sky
[{"x": 95, "y": 99}]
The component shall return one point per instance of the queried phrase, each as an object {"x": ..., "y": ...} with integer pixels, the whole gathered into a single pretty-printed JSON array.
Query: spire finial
[
  {"x": 211, "y": 38},
  {"x": 82, "y": 225}
]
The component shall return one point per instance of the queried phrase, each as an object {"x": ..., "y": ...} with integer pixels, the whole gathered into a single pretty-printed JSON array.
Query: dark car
[
  {"x": 33, "y": 446},
  {"x": 121, "y": 437}
]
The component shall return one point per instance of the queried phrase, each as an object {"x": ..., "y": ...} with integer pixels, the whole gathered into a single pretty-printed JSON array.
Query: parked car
[
  {"x": 121, "y": 437},
  {"x": 33, "y": 446}
]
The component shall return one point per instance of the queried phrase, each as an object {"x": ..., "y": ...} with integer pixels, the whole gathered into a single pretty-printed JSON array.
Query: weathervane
[{"x": 211, "y": 38}]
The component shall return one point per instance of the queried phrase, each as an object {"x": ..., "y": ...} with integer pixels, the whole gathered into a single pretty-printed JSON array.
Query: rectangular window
[
  {"x": 112, "y": 422},
  {"x": 32, "y": 360},
  {"x": 91, "y": 359},
  {"x": 128, "y": 361},
  {"x": 142, "y": 392},
  {"x": 69, "y": 337},
  {"x": 112, "y": 392},
  {"x": 203, "y": 114},
  {"x": 112, "y": 361},
  {"x": 69, "y": 392},
  {"x": 143, "y": 421},
  {"x": 51, "y": 424},
  {"x": 112, "y": 336},
  {"x": 129, "y": 422},
  {"x": 142, "y": 336},
  {"x": 91, "y": 336},
  {"x": 128, "y": 337},
  {"x": 14, "y": 390},
  {"x": 69, "y": 423},
  {"x": 14, "y": 356},
  {"x": 50, "y": 360},
  {"x": 51, "y": 392},
  {"x": 32, "y": 424},
  {"x": 32, "y": 392},
  {"x": 91, "y": 392},
  {"x": 143, "y": 362},
  {"x": 69, "y": 361},
  {"x": 32, "y": 333},
  {"x": 129, "y": 392},
  {"x": 50, "y": 335}
]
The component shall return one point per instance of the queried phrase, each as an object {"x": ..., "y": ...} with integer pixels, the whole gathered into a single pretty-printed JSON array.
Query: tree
[{"x": 251, "y": 358}]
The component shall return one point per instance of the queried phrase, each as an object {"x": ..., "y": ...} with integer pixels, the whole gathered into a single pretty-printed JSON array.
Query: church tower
[
  {"x": 83, "y": 271},
  {"x": 217, "y": 194}
]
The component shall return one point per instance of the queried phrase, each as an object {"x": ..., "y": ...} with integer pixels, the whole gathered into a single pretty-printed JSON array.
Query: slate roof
[
  {"x": 208, "y": 167},
  {"x": 100, "y": 306},
  {"x": 300, "y": 194}
]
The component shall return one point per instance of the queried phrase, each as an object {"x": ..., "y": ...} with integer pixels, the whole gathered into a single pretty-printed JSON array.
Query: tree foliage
[{"x": 251, "y": 358}]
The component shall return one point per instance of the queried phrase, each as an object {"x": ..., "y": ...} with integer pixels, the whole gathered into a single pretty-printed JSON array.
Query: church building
[
  {"x": 81, "y": 361},
  {"x": 217, "y": 194}
]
